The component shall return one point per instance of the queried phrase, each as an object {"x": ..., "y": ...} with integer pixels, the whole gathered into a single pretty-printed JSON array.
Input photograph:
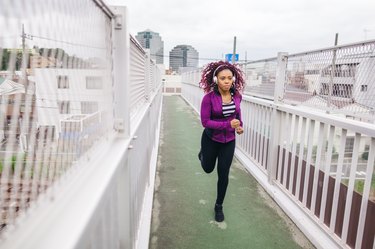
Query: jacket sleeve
[{"x": 207, "y": 122}]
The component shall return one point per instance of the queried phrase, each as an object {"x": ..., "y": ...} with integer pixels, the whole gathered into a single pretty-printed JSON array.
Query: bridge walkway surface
[{"x": 184, "y": 197}]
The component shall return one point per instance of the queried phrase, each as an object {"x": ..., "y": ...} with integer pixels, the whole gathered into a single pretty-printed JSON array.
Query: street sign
[{"x": 228, "y": 57}]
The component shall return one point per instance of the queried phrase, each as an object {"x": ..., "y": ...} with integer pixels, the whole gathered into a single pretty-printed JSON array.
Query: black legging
[{"x": 224, "y": 152}]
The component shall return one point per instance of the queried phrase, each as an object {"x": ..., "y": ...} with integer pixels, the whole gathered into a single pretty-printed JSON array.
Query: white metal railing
[
  {"x": 80, "y": 115},
  {"x": 318, "y": 167},
  {"x": 189, "y": 89},
  {"x": 137, "y": 76}
]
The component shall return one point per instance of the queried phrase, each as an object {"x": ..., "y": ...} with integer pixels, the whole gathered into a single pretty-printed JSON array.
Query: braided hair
[{"x": 207, "y": 83}]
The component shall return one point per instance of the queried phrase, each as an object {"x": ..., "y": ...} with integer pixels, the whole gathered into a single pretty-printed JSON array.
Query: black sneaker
[{"x": 219, "y": 214}]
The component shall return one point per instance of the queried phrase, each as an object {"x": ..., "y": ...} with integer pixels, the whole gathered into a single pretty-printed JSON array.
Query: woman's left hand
[{"x": 239, "y": 130}]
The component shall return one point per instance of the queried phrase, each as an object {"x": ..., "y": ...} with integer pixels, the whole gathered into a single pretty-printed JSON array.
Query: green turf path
[{"x": 184, "y": 197}]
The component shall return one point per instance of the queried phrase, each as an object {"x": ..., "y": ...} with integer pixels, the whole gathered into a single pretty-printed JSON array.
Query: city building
[
  {"x": 152, "y": 40},
  {"x": 16, "y": 100},
  {"x": 171, "y": 84},
  {"x": 70, "y": 95},
  {"x": 183, "y": 56},
  {"x": 39, "y": 61}
]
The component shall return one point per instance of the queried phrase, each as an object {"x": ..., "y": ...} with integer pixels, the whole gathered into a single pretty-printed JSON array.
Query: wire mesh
[
  {"x": 260, "y": 78},
  {"x": 55, "y": 94},
  {"x": 338, "y": 80}
]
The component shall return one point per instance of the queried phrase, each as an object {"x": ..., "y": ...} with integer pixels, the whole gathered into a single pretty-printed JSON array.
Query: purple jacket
[{"x": 217, "y": 126}]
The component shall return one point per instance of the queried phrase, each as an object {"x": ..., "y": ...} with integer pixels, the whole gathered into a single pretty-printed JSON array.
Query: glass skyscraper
[
  {"x": 152, "y": 40},
  {"x": 183, "y": 56}
]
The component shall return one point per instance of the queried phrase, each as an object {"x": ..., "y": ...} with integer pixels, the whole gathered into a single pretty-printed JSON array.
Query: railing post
[
  {"x": 147, "y": 75},
  {"x": 274, "y": 144},
  {"x": 121, "y": 75},
  {"x": 276, "y": 117},
  {"x": 282, "y": 59}
]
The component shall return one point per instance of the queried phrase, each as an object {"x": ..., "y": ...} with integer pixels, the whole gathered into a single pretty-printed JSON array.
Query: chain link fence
[{"x": 338, "y": 80}]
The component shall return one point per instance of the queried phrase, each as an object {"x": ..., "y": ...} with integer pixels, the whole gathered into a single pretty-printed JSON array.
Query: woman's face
[{"x": 225, "y": 79}]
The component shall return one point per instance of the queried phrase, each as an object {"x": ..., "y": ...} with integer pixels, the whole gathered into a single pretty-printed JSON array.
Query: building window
[
  {"x": 342, "y": 90},
  {"x": 324, "y": 90},
  {"x": 94, "y": 82},
  {"x": 62, "y": 82},
  {"x": 64, "y": 107},
  {"x": 338, "y": 90},
  {"x": 88, "y": 107},
  {"x": 363, "y": 88},
  {"x": 311, "y": 71}
]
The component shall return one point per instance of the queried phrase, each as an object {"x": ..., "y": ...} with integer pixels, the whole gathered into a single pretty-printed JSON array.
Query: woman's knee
[{"x": 208, "y": 168}]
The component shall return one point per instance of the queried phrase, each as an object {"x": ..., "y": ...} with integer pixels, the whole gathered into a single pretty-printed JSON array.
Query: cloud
[{"x": 262, "y": 27}]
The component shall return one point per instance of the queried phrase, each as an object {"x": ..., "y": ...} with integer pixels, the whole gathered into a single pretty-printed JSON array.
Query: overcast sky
[{"x": 262, "y": 27}]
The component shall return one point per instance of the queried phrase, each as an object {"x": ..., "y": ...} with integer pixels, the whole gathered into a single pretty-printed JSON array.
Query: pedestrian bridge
[{"x": 94, "y": 155}]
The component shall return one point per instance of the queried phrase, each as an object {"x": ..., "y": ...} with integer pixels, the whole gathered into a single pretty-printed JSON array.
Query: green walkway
[{"x": 185, "y": 195}]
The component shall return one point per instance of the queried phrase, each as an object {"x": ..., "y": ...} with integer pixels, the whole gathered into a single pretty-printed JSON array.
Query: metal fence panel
[
  {"x": 60, "y": 114},
  {"x": 338, "y": 79},
  {"x": 55, "y": 94}
]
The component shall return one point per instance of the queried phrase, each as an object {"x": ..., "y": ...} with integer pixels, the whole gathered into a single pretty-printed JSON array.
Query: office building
[
  {"x": 183, "y": 56},
  {"x": 152, "y": 40}
]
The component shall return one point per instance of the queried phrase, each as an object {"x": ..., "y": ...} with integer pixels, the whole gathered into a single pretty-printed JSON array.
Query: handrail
[{"x": 105, "y": 8}]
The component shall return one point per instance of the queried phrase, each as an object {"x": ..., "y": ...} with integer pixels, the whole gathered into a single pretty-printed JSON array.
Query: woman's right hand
[{"x": 234, "y": 123}]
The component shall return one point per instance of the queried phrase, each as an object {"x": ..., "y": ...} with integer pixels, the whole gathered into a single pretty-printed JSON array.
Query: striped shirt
[{"x": 229, "y": 109}]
